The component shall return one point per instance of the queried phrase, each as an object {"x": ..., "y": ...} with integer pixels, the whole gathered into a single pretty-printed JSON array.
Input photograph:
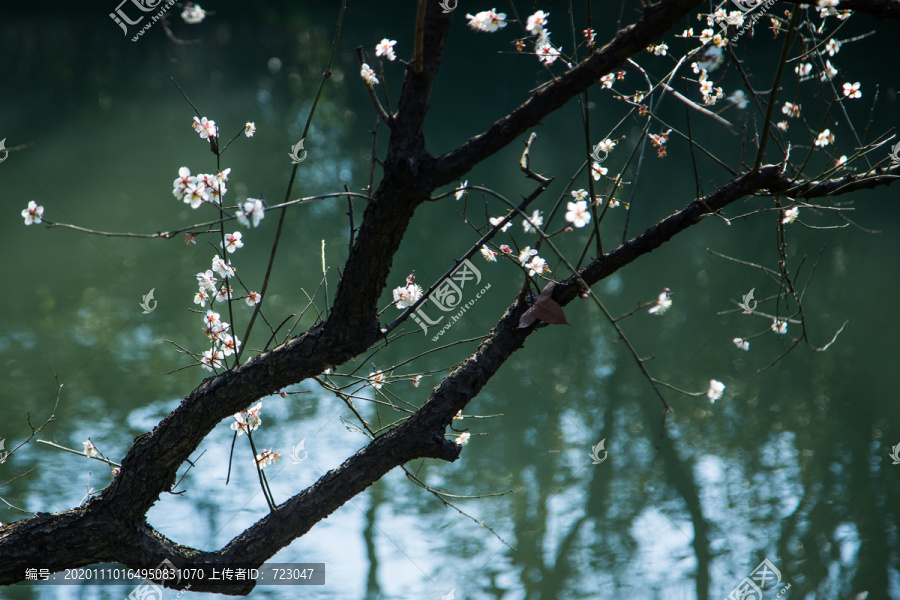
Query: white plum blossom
[
  {"x": 829, "y": 72},
  {"x": 735, "y": 18},
  {"x": 233, "y": 242},
  {"x": 182, "y": 182},
  {"x": 488, "y": 21},
  {"x": 385, "y": 48},
  {"x": 739, "y": 99},
  {"x": 607, "y": 80},
  {"x": 462, "y": 190},
  {"x": 376, "y": 380},
  {"x": 212, "y": 359},
  {"x": 195, "y": 194},
  {"x": 368, "y": 75},
  {"x": 249, "y": 129},
  {"x": 598, "y": 171},
  {"x": 536, "y": 22},
  {"x": 89, "y": 449},
  {"x": 577, "y": 213},
  {"x": 851, "y": 90},
  {"x": 716, "y": 388},
  {"x": 790, "y": 215},
  {"x": 212, "y": 318},
  {"x": 406, "y": 296},
  {"x": 222, "y": 268},
  {"x": 216, "y": 191},
  {"x": 205, "y": 127},
  {"x": 251, "y": 211},
  {"x": 546, "y": 53},
  {"x": 827, "y": 7},
  {"x": 741, "y": 343},
  {"x": 224, "y": 293},
  {"x": 253, "y": 298},
  {"x": 779, "y": 327},
  {"x": 659, "y": 50},
  {"x": 791, "y": 110},
  {"x": 207, "y": 282},
  {"x": 201, "y": 298},
  {"x": 230, "y": 344},
  {"x": 782, "y": 125},
  {"x": 497, "y": 220},
  {"x": 832, "y": 47},
  {"x": 535, "y": 220},
  {"x": 662, "y": 304},
  {"x": 33, "y": 213},
  {"x": 526, "y": 254},
  {"x": 803, "y": 69},
  {"x": 537, "y": 266},
  {"x": 488, "y": 254},
  {"x": 193, "y": 14},
  {"x": 825, "y": 138},
  {"x": 581, "y": 194},
  {"x": 463, "y": 438},
  {"x": 606, "y": 145}
]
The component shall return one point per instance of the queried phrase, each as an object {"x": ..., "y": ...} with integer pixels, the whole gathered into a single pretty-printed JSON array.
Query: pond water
[{"x": 792, "y": 464}]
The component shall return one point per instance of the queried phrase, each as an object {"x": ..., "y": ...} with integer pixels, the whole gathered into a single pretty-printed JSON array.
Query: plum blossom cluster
[
  {"x": 490, "y": 21},
  {"x": 247, "y": 420},
  {"x": 197, "y": 189},
  {"x": 267, "y": 457},
  {"x": 534, "y": 264},
  {"x": 710, "y": 95},
  {"x": 214, "y": 284},
  {"x": 659, "y": 142}
]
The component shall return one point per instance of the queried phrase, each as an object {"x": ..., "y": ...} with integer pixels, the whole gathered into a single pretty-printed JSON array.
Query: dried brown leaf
[{"x": 545, "y": 309}]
